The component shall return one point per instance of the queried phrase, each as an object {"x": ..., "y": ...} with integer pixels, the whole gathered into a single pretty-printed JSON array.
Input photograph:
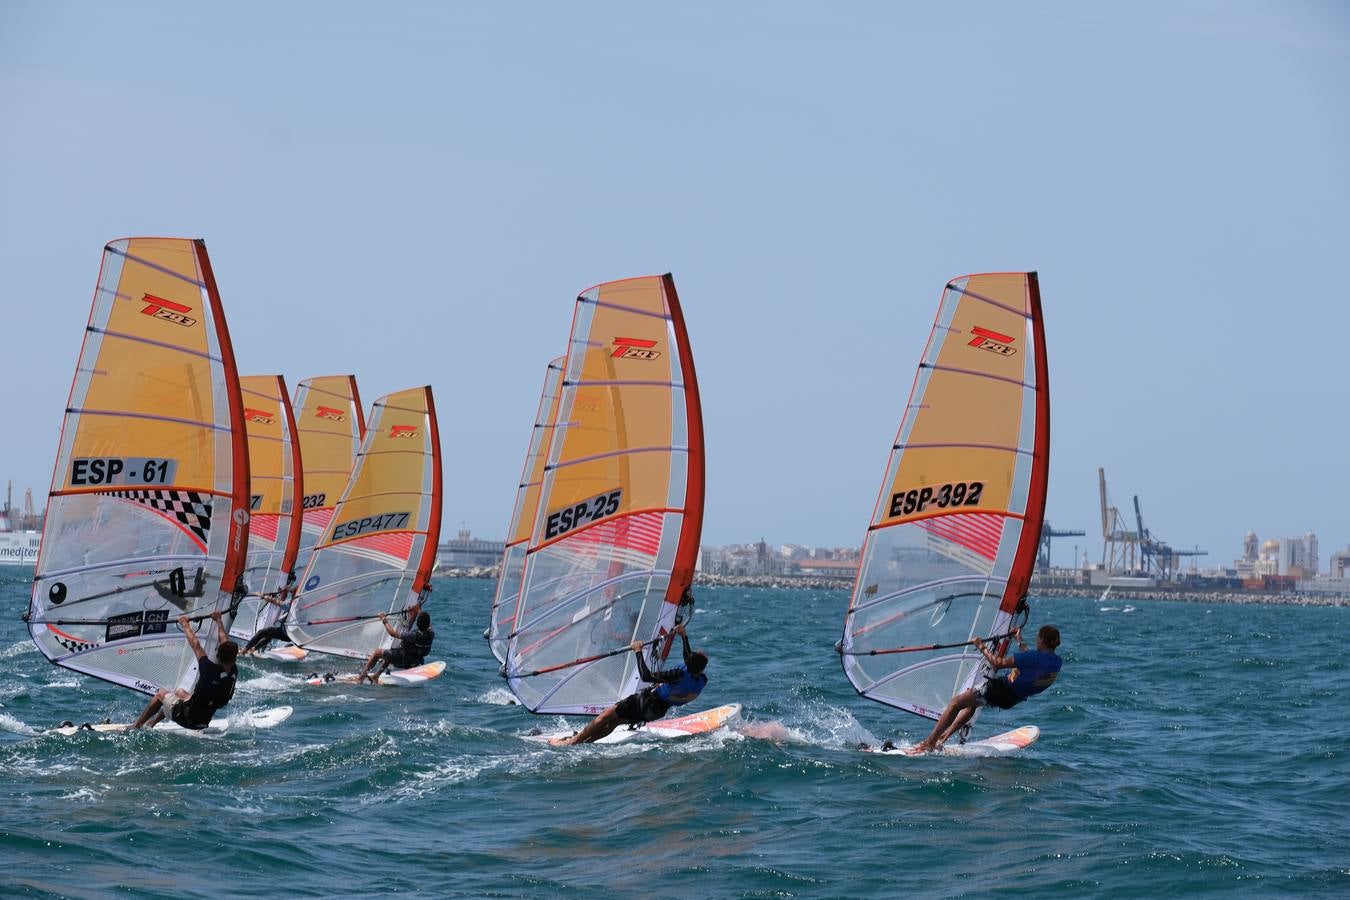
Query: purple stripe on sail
[
  {"x": 989, "y": 300},
  {"x": 156, "y": 266},
  {"x": 1016, "y": 381},
  {"x": 145, "y": 340},
  {"x": 618, "y": 453},
  {"x": 620, "y": 383},
  {"x": 135, "y": 415},
  {"x": 631, "y": 309},
  {"x": 969, "y": 446}
]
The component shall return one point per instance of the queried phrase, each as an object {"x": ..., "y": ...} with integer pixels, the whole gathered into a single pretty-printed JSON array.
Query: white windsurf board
[
  {"x": 414, "y": 677},
  {"x": 697, "y": 723},
  {"x": 264, "y": 718},
  {"x": 1004, "y": 744}
]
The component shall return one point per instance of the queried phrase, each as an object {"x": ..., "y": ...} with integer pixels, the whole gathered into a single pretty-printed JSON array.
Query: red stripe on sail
[
  {"x": 978, "y": 532},
  {"x": 640, "y": 532},
  {"x": 319, "y": 518},
  {"x": 263, "y": 526},
  {"x": 398, "y": 545}
]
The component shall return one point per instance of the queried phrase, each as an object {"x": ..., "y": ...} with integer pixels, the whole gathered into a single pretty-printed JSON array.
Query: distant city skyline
[{"x": 416, "y": 193}]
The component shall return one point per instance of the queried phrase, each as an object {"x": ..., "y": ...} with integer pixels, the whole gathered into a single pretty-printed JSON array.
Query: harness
[{"x": 417, "y": 646}]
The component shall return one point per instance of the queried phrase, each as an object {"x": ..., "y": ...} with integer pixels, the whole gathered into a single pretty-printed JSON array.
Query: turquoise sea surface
[{"x": 1187, "y": 749}]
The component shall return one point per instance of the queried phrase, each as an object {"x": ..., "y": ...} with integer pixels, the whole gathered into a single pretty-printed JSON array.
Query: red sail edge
[
  {"x": 686, "y": 551},
  {"x": 428, "y": 562},
  {"x": 237, "y": 548}
]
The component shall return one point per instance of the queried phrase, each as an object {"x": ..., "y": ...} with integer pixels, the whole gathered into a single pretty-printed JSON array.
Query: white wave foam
[
  {"x": 84, "y": 794},
  {"x": 445, "y": 774},
  {"x": 498, "y": 696},
  {"x": 62, "y": 684},
  {"x": 270, "y": 682},
  {"x": 18, "y": 649},
  {"x": 825, "y": 726},
  {"x": 9, "y": 723}
]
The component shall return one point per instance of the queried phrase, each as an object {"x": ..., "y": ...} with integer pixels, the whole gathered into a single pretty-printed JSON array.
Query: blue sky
[{"x": 416, "y": 192}]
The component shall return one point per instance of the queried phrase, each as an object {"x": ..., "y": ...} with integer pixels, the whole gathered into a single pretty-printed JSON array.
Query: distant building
[
  {"x": 467, "y": 552},
  {"x": 1340, "y": 563},
  {"x": 1249, "y": 547},
  {"x": 1298, "y": 556}
]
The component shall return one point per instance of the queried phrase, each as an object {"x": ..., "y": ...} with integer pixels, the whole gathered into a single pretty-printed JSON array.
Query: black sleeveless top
[{"x": 213, "y": 690}]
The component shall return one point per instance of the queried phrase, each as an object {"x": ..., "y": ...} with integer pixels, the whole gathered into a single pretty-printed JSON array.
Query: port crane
[
  {"x": 1120, "y": 548},
  {"x": 1158, "y": 556},
  {"x": 1047, "y": 534}
]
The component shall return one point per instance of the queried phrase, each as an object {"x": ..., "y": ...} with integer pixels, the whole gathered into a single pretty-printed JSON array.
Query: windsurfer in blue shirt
[
  {"x": 1033, "y": 672},
  {"x": 668, "y": 687}
]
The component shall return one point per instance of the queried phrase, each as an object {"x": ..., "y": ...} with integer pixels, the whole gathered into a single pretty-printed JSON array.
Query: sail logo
[
  {"x": 403, "y": 431},
  {"x": 167, "y": 310},
  {"x": 327, "y": 412},
  {"x": 634, "y": 348},
  {"x": 992, "y": 341},
  {"x": 257, "y": 415}
]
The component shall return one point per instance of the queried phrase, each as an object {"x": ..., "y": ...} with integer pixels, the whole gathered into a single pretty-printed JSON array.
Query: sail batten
[
  {"x": 148, "y": 512},
  {"x": 614, "y": 534},
  {"x": 949, "y": 551}
]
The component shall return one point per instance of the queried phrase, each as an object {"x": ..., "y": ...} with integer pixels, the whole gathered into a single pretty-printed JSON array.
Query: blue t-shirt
[
  {"x": 1032, "y": 667},
  {"x": 685, "y": 689}
]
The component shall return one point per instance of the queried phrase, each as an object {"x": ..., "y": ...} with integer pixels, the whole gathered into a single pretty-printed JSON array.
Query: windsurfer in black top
[
  {"x": 264, "y": 636},
  {"x": 214, "y": 687},
  {"x": 668, "y": 687},
  {"x": 413, "y": 647}
]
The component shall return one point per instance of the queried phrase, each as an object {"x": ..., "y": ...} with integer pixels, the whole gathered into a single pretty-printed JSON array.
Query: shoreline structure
[{"x": 1118, "y": 592}]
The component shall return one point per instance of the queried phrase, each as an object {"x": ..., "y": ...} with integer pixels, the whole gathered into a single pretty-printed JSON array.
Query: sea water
[{"x": 1186, "y": 749}]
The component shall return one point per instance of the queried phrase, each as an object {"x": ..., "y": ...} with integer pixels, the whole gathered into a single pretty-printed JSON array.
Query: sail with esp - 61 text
[{"x": 148, "y": 513}]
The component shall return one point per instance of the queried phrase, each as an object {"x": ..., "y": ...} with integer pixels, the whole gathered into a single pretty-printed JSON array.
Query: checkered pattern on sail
[{"x": 189, "y": 508}]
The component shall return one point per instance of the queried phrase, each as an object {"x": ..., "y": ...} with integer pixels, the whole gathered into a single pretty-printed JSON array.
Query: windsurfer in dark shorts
[
  {"x": 214, "y": 687},
  {"x": 414, "y": 644},
  {"x": 668, "y": 687},
  {"x": 1033, "y": 672},
  {"x": 264, "y": 636}
]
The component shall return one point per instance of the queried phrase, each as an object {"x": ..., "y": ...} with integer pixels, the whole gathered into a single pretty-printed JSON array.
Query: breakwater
[{"x": 1121, "y": 594}]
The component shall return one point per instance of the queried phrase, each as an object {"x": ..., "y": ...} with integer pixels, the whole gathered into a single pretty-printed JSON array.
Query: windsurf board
[
  {"x": 1004, "y": 744},
  {"x": 684, "y": 726},
  {"x": 265, "y": 718},
  {"x": 414, "y": 677}
]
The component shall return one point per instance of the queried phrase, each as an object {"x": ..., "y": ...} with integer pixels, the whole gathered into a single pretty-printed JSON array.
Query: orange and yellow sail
[
  {"x": 615, "y": 534},
  {"x": 377, "y": 552},
  {"x": 950, "y": 549},
  {"x": 275, "y": 499},
  {"x": 331, "y": 426},
  {"x": 148, "y": 513}
]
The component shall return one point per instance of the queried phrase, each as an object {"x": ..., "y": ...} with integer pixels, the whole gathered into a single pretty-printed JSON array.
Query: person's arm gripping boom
[
  {"x": 647, "y": 674},
  {"x": 186, "y": 624}
]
